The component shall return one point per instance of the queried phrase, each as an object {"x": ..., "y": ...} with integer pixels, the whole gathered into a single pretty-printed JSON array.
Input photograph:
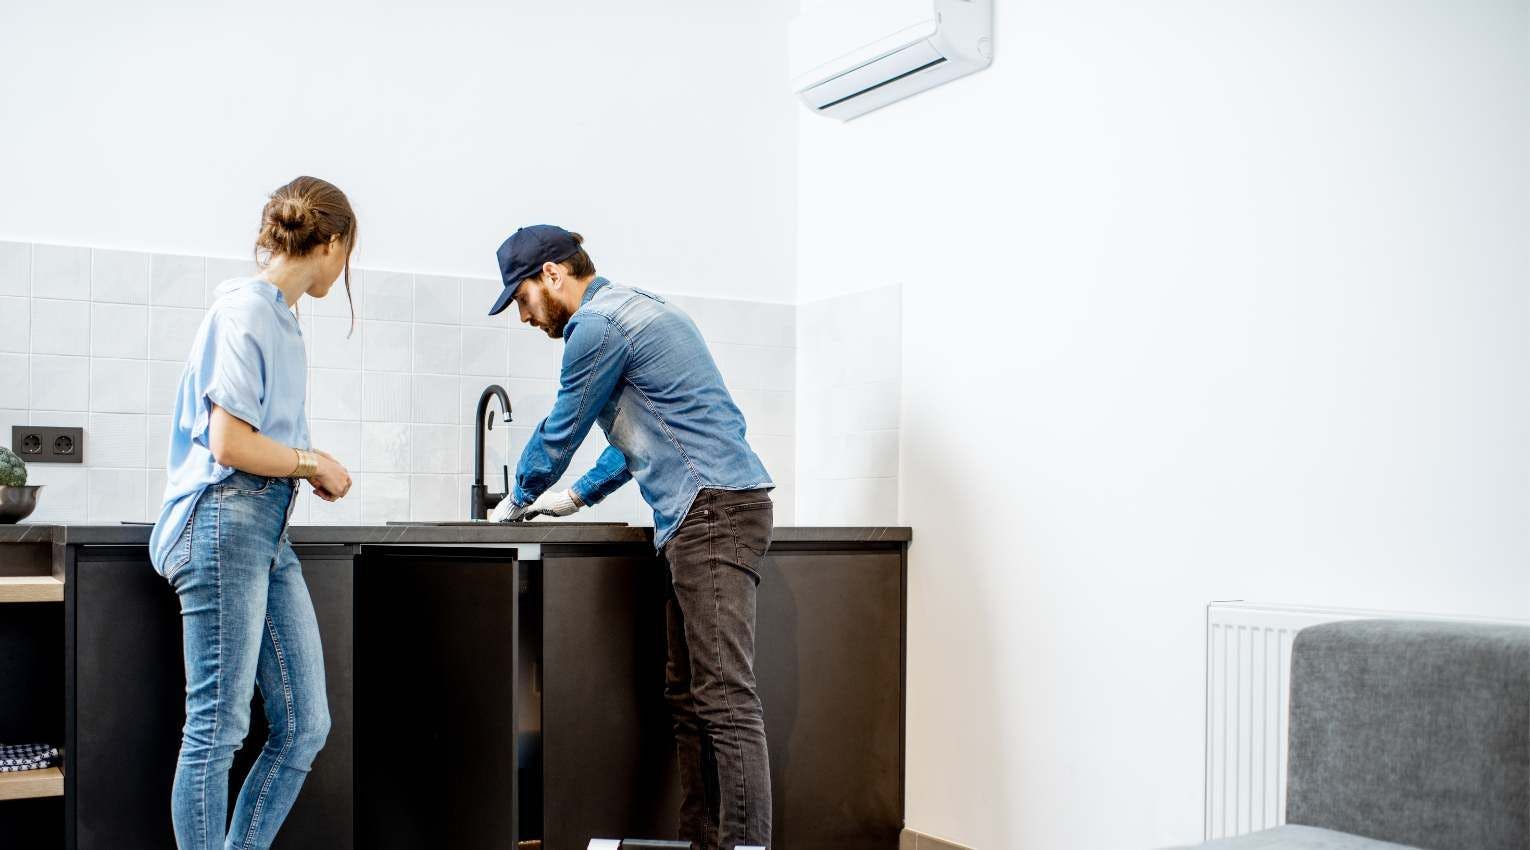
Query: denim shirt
[
  {"x": 638, "y": 366},
  {"x": 247, "y": 358}
]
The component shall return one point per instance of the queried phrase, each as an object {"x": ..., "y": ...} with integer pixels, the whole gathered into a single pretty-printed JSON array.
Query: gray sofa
[{"x": 1406, "y": 734}]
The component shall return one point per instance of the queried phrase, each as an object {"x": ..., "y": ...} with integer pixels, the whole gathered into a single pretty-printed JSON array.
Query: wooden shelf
[
  {"x": 48, "y": 782},
  {"x": 31, "y": 589}
]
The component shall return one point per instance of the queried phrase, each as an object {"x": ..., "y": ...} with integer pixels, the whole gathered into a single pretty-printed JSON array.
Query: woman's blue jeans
[{"x": 248, "y": 622}]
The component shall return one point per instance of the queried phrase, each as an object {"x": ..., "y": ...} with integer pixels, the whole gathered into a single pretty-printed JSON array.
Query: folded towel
[{"x": 18, "y": 757}]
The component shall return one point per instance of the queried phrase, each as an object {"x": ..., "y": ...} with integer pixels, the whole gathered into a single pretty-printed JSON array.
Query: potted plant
[{"x": 17, "y": 498}]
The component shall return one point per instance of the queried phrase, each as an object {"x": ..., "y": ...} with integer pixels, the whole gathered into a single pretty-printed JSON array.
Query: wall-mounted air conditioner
[{"x": 849, "y": 57}]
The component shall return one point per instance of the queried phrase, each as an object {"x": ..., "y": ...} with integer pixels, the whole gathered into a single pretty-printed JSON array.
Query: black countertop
[{"x": 530, "y": 533}]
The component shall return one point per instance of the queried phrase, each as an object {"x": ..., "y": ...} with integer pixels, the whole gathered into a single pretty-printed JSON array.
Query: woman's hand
[
  {"x": 235, "y": 443},
  {"x": 331, "y": 482}
]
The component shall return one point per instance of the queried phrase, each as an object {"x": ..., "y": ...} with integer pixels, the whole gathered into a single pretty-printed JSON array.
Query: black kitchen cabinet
[
  {"x": 435, "y": 679},
  {"x": 610, "y": 767},
  {"x": 32, "y": 711},
  {"x": 829, "y": 653},
  {"x": 479, "y": 700},
  {"x": 127, "y": 686}
]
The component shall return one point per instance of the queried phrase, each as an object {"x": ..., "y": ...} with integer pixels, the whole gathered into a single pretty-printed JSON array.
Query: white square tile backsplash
[
  {"x": 437, "y": 349},
  {"x": 119, "y": 276},
  {"x": 18, "y": 326},
  {"x": 435, "y": 449},
  {"x": 60, "y": 383},
  {"x": 385, "y": 496},
  {"x": 478, "y": 295},
  {"x": 437, "y": 299},
  {"x": 60, "y": 327},
  {"x": 177, "y": 281},
  {"x": 436, "y": 497},
  {"x": 15, "y": 382},
  {"x": 485, "y": 352},
  {"x": 340, "y": 438},
  {"x": 106, "y": 333},
  {"x": 335, "y": 393},
  {"x": 117, "y": 440},
  {"x": 384, "y": 446},
  {"x": 115, "y": 494},
  {"x": 15, "y": 268},
  {"x": 385, "y": 397},
  {"x": 171, "y": 332},
  {"x": 848, "y": 397},
  {"x": 156, "y": 440},
  {"x": 119, "y": 386},
  {"x": 164, "y": 383},
  {"x": 755, "y": 367},
  {"x": 388, "y": 346},
  {"x": 533, "y": 354},
  {"x": 436, "y": 400},
  {"x": 60, "y": 271},
  {"x": 119, "y": 330},
  {"x": 64, "y": 492},
  {"x": 334, "y": 344},
  {"x": 389, "y": 296}
]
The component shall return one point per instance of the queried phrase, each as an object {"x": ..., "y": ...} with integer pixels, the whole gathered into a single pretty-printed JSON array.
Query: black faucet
[{"x": 480, "y": 500}]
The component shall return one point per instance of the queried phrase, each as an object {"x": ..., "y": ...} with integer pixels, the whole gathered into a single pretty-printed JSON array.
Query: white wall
[
  {"x": 662, "y": 132},
  {"x": 1201, "y": 301}
]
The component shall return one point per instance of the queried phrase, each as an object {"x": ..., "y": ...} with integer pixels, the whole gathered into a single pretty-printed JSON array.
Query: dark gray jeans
[{"x": 714, "y": 561}]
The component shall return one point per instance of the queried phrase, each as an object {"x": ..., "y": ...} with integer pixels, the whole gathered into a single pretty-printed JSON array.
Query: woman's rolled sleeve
[{"x": 234, "y": 371}]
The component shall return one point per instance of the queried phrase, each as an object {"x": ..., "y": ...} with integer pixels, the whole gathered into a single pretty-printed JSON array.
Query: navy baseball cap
[{"x": 522, "y": 255}]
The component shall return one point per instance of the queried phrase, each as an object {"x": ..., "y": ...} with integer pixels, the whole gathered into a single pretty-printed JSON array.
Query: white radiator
[
  {"x": 1248, "y": 674},
  {"x": 1248, "y": 697}
]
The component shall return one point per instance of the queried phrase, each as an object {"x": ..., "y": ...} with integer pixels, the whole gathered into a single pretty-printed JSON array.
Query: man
[{"x": 638, "y": 366}]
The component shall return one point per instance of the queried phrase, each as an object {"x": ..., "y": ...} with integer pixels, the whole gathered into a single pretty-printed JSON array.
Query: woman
[{"x": 238, "y": 446}]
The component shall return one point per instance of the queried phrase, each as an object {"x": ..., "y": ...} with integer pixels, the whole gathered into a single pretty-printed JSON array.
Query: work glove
[
  {"x": 561, "y": 503},
  {"x": 508, "y": 511}
]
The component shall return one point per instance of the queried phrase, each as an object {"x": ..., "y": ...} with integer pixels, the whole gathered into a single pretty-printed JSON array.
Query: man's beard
[{"x": 557, "y": 318}]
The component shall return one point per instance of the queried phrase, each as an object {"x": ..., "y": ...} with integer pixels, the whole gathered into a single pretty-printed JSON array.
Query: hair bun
[
  {"x": 292, "y": 213},
  {"x": 301, "y": 216}
]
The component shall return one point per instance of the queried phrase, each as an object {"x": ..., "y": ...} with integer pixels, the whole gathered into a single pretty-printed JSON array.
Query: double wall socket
[{"x": 40, "y": 444}]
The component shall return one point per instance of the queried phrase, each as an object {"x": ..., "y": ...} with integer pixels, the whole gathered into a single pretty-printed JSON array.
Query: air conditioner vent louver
[
  {"x": 852, "y": 56},
  {"x": 869, "y": 78}
]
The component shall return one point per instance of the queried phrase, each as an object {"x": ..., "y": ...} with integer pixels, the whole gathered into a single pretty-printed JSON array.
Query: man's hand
[
  {"x": 508, "y": 511},
  {"x": 561, "y": 503}
]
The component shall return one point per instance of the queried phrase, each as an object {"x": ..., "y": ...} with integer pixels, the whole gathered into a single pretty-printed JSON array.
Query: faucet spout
[{"x": 480, "y": 500}]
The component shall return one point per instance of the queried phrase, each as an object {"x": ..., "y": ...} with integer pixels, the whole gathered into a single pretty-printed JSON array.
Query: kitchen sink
[{"x": 513, "y": 524}]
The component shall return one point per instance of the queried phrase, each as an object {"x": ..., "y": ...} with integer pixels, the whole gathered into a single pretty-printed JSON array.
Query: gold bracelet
[{"x": 307, "y": 465}]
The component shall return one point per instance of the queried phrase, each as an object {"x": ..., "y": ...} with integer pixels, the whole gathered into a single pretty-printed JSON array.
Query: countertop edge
[{"x": 533, "y": 534}]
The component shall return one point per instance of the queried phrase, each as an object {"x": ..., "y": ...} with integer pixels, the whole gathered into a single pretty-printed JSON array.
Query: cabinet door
[
  {"x": 435, "y": 678},
  {"x": 324, "y": 815},
  {"x": 128, "y": 687},
  {"x": 608, "y": 755},
  {"x": 829, "y": 663}
]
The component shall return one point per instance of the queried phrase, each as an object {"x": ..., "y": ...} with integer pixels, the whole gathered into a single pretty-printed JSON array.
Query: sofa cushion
[
  {"x": 1294, "y": 837},
  {"x": 1416, "y": 732}
]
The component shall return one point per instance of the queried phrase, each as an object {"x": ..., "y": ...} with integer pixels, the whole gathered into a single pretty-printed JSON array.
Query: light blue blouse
[{"x": 247, "y": 358}]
